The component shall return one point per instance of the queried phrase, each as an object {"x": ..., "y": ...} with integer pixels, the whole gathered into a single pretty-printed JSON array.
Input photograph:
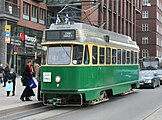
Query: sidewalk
[{"x": 14, "y": 102}]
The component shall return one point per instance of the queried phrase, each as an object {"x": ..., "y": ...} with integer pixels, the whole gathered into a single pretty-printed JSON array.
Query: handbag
[
  {"x": 9, "y": 86},
  {"x": 32, "y": 84}
]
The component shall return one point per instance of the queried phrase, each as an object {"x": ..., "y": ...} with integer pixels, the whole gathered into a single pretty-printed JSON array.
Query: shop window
[{"x": 94, "y": 55}]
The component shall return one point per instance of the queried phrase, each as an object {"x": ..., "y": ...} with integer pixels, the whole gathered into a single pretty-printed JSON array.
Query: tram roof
[{"x": 88, "y": 33}]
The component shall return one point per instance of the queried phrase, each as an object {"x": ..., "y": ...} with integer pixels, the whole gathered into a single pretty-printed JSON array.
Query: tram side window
[
  {"x": 108, "y": 55},
  {"x": 132, "y": 57},
  {"x": 113, "y": 56},
  {"x": 136, "y": 58},
  {"x": 123, "y": 56},
  {"x": 119, "y": 56},
  {"x": 102, "y": 55},
  {"x": 43, "y": 57},
  {"x": 77, "y": 54},
  {"x": 86, "y": 55},
  {"x": 128, "y": 57},
  {"x": 94, "y": 55}
]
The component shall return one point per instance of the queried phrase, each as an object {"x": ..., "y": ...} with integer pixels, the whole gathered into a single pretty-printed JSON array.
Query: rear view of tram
[{"x": 81, "y": 66}]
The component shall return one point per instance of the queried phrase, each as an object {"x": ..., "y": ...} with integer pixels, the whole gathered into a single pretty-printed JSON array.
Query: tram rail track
[{"x": 36, "y": 112}]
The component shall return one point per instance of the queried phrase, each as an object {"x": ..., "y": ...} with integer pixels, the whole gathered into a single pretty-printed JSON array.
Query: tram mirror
[{"x": 106, "y": 38}]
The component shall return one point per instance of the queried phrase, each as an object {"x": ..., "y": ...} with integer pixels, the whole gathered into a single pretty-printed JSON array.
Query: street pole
[{"x": 14, "y": 62}]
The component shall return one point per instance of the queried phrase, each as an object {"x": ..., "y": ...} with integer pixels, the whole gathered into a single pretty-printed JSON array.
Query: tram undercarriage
[{"x": 72, "y": 99}]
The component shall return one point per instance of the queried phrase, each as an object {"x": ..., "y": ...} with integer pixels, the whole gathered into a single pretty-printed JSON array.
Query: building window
[
  {"x": 42, "y": 16},
  {"x": 144, "y": 14},
  {"x": 144, "y": 40},
  {"x": 144, "y": 53},
  {"x": 26, "y": 11},
  {"x": 145, "y": 2},
  {"x": 144, "y": 27},
  {"x": 34, "y": 13}
]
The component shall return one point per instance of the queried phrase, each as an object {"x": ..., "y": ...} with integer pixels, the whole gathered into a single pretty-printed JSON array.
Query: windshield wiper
[{"x": 65, "y": 51}]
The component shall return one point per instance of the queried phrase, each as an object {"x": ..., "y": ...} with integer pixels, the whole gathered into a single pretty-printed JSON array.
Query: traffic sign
[
  {"x": 15, "y": 48},
  {"x": 7, "y": 39},
  {"x": 7, "y": 34},
  {"x": 7, "y": 28}
]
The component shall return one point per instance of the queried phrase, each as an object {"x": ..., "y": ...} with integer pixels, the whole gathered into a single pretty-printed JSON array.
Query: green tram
[{"x": 84, "y": 64}]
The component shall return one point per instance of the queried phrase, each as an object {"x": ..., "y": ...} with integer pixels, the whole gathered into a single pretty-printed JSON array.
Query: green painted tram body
[
  {"x": 88, "y": 80},
  {"x": 91, "y": 80}
]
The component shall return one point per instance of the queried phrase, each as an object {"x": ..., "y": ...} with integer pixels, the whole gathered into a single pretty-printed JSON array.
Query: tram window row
[
  {"x": 104, "y": 55},
  {"x": 113, "y": 56},
  {"x": 90, "y": 54}
]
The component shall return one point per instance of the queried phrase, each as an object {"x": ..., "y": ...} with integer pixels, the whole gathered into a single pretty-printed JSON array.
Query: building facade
[
  {"x": 27, "y": 20},
  {"x": 114, "y": 15},
  {"x": 149, "y": 29}
]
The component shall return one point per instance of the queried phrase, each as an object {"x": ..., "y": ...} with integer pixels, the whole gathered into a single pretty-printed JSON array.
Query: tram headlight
[{"x": 57, "y": 79}]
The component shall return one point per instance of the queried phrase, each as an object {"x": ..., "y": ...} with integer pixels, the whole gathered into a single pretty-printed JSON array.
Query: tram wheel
[{"x": 103, "y": 95}]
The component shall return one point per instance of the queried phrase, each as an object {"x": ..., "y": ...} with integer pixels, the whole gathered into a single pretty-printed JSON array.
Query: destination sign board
[{"x": 60, "y": 35}]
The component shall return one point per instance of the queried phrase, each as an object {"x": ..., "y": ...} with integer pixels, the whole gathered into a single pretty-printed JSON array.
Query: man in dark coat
[{"x": 27, "y": 75}]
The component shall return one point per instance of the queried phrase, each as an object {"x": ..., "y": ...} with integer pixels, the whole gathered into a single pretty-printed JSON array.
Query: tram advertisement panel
[{"x": 60, "y": 35}]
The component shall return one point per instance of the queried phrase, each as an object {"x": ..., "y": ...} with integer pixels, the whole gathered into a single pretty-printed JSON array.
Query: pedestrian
[
  {"x": 38, "y": 75},
  {"x": 1, "y": 73},
  {"x": 6, "y": 71},
  {"x": 26, "y": 76},
  {"x": 11, "y": 78}
]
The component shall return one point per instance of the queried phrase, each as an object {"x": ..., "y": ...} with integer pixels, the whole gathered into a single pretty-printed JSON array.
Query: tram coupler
[{"x": 54, "y": 101}]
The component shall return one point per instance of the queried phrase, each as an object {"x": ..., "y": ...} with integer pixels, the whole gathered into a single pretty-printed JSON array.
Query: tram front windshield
[{"x": 61, "y": 54}]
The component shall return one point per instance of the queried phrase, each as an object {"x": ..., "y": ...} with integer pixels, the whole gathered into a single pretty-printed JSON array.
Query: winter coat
[
  {"x": 26, "y": 75},
  {"x": 11, "y": 76}
]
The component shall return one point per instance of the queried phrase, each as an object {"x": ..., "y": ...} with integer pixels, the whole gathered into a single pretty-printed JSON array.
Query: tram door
[{"x": 19, "y": 65}]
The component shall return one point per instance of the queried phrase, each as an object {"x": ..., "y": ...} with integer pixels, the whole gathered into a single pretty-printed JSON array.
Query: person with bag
[
  {"x": 6, "y": 71},
  {"x": 11, "y": 82},
  {"x": 26, "y": 76}
]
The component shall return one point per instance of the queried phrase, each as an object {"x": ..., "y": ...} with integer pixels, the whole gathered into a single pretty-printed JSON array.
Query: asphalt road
[{"x": 135, "y": 106}]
